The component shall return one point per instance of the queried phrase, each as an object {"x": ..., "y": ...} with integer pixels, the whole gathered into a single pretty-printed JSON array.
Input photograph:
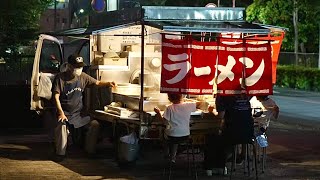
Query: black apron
[{"x": 71, "y": 100}]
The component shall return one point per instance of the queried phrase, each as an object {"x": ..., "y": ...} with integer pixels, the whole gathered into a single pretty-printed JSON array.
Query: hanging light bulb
[{"x": 98, "y": 5}]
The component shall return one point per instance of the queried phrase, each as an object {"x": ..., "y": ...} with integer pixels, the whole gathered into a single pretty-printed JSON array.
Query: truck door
[{"x": 46, "y": 64}]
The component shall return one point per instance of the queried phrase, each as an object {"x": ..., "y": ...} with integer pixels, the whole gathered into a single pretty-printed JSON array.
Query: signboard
[
  {"x": 113, "y": 40},
  {"x": 188, "y": 67},
  {"x": 275, "y": 39},
  {"x": 98, "y": 5}
]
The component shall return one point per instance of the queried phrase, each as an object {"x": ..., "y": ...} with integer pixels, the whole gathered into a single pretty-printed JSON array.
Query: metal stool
[
  {"x": 262, "y": 155},
  {"x": 246, "y": 158},
  {"x": 261, "y": 151},
  {"x": 191, "y": 170}
]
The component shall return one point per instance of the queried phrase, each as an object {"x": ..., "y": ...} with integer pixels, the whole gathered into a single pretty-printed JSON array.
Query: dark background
[{"x": 15, "y": 108}]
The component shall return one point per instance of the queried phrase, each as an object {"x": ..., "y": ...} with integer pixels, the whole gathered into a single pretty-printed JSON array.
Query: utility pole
[
  {"x": 296, "y": 33},
  {"x": 319, "y": 48}
]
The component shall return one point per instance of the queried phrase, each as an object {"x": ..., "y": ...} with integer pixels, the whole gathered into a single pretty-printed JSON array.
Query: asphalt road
[{"x": 298, "y": 106}]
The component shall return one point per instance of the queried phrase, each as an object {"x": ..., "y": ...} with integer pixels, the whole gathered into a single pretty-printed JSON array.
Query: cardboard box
[
  {"x": 123, "y": 112},
  {"x": 113, "y": 61},
  {"x": 137, "y": 48}
]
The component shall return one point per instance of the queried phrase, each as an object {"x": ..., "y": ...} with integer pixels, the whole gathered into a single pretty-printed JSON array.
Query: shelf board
[{"x": 110, "y": 68}]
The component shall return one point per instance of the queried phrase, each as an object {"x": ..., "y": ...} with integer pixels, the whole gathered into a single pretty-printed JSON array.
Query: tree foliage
[
  {"x": 19, "y": 23},
  {"x": 280, "y": 13}
]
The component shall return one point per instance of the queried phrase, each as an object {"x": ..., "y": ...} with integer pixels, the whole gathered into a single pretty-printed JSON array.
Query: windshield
[{"x": 50, "y": 57}]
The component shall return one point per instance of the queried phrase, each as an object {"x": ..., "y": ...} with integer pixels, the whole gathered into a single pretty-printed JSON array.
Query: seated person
[
  {"x": 177, "y": 118},
  {"x": 237, "y": 129},
  {"x": 269, "y": 110}
]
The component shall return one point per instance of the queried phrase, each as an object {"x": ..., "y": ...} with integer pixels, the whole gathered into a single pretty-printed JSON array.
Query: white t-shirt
[
  {"x": 267, "y": 107},
  {"x": 178, "y": 116}
]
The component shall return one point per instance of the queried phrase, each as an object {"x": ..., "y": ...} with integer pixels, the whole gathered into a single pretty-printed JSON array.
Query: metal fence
[
  {"x": 16, "y": 70},
  {"x": 304, "y": 59}
]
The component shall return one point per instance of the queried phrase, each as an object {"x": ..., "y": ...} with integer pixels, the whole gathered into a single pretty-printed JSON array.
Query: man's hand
[
  {"x": 157, "y": 110},
  {"x": 62, "y": 118},
  {"x": 210, "y": 109},
  {"x": 112, "y": 84},
  {"x": 105, "y": 83}
]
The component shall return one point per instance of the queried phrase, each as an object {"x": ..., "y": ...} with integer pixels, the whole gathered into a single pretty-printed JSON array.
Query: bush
[{"x": 298, "y": 77}]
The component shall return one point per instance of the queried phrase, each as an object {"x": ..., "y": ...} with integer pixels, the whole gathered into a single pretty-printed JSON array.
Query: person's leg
[
  {"x": 208, "y": 161},
  {"x": 91, "y": 137},
  {"x": 209, "y": 152},
  {"x": 173, "y": 144},
  {"x": 49, "y": 120},
  {"x": 48, "y": 117},
  {"x": 172, "y": 147},
  {"x": 215, "y": 155},
  {"x": 222, "y": 151},
  {"x": 61, "y": 139}
]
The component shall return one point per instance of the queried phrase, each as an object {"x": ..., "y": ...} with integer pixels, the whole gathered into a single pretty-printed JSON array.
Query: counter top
[
  {"x": 117, "y": 116},
  {"x": 195, "y": 113}
]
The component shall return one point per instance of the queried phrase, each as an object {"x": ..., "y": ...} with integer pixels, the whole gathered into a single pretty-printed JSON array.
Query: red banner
[
  {"x": 276, "y": 41},
  {"x": 188, "y": 67}
]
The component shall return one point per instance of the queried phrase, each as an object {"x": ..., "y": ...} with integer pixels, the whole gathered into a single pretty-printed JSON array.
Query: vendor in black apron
[
  {"x": 237, "y": 129},
  {"x": 67, "y": 89}
]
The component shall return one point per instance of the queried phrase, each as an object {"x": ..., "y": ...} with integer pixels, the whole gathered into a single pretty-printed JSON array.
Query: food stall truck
[{"x": 134, "y": 48}]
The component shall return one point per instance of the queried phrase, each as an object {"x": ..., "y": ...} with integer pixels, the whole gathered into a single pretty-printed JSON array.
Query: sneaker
[
  {"x": 173, "y": 161},
  {"x": 209, "y": 172},
  {"x": 225, "y": 171}
]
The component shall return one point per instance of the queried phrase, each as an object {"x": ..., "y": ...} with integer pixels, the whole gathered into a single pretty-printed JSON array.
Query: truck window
[{"x": 50, "y": 58}]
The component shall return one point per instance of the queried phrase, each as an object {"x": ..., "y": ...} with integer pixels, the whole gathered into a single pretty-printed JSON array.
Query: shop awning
[
  {"x": 214, "y": 27},
  {"x": 202, "y": 19},
  {"x": 173, "y": 19}
]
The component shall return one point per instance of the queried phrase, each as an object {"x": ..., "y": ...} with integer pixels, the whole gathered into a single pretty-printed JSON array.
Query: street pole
[{"x": 319, "y": 49}]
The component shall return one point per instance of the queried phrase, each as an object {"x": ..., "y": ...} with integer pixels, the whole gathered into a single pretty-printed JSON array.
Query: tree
[
  {"x": 299, "y": 16},
  {"x": 19, "y": 23}
]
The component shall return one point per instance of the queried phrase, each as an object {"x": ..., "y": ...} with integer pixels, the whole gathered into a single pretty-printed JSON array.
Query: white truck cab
[{"x": 47, "y": 60}]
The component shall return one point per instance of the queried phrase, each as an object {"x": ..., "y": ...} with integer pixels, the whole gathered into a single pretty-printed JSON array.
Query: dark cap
[{"x": 76, "y": 61}]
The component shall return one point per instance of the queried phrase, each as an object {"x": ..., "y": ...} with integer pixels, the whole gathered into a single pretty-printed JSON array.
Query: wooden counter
[{"x": 150, "y": 128}]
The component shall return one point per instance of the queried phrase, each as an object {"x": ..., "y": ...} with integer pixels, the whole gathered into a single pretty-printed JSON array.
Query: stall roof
[
  {"x": 84, "y": 31},
  {"x": 201, "y": 19},
  {"x": 181, "y": 26},
  {"x": 173, "y": 19}
]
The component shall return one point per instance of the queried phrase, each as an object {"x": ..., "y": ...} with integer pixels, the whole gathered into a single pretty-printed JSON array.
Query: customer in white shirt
[
  {"x": 270, "y": 110},
  {"x": 177, "y": 119}
]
